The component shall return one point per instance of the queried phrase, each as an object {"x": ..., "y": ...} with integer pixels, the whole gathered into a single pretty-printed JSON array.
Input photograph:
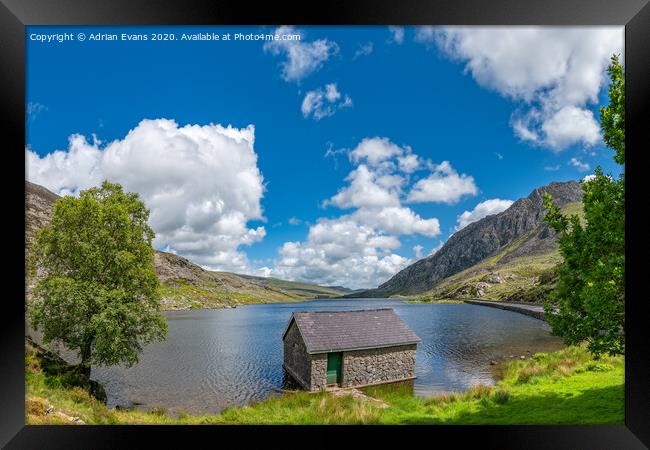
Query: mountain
[
  {"x": 38, "y": 210},
  {"x": 514, "y": 236},
  {"x": 185, "y": 284},
  {"x": 306, "y": 290}
]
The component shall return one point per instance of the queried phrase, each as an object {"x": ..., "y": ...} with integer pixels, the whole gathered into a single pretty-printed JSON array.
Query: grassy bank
[{"x": 565, "y": 387}]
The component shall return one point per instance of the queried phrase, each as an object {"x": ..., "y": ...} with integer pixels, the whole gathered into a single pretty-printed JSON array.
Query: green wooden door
[{"x": 334, "y": 363}]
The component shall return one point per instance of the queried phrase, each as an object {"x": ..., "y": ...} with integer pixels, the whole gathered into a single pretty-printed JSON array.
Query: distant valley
[
  {"x": 184, "y": 284},
  {"x": 507, "y": 256}
]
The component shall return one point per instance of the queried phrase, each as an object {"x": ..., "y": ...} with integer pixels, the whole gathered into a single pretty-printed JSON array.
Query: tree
[
  {"x": 588, "y": 303},
  {"x": 96, "y": 288},
  {"x": 612, "y": 116}
]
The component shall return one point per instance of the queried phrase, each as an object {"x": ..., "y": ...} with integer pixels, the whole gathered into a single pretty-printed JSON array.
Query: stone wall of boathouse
[
  {"x": 378, "y": 365},
  {"x": 318, "y": 371},
  {"x": 297, "y": 362},
  {"x": 359, "y": 367}
]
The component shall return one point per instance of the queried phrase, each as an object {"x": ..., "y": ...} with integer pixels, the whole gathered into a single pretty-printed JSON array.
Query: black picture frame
[{"x": 15, "y": 15}]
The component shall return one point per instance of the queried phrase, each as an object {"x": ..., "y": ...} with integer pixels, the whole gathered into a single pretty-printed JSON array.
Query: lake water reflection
[{"x": 215, "y": 358}]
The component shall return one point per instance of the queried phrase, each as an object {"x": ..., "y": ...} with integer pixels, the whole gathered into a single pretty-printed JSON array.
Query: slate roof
[{"x": 335, "y": 331}]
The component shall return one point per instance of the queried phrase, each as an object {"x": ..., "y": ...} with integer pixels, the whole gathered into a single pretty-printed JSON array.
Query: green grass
[
  {"x": 564, "y": 387},
  {"x": 575, "y": 208}
]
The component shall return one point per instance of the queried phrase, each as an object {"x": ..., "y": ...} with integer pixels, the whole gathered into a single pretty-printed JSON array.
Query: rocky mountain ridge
[{"x": 522, "y": 223}]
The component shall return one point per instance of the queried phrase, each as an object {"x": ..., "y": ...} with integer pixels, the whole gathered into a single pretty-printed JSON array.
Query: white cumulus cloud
[
  {"x": 201, "y": 184},
  {"x": 409, "y": 163},
  {"x": 483, "y": 209},
  {"x": 554, "y": 73},
  {"x": 443, "y": 185},
  {"x": 358, "y": 248},
  {"x": 581, "y": 166},
  {"x": 302, "y": 57},
  {"x": 425, "y": 34},
  {"x": 364, "y": 190},
  {"x": 570, "y": 124},
  {"x": 341, "y": 252},
  {"x": 397, "y": 220},
  {"x": 324, "y": 102},
  {"x": 374, "y": 151}
]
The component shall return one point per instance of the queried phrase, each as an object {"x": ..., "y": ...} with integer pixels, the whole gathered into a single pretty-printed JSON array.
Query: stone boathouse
[{"x": 348, "y": 348}]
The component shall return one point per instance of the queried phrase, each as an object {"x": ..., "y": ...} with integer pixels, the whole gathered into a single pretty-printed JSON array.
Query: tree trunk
[{"x": 84, "y": 367}]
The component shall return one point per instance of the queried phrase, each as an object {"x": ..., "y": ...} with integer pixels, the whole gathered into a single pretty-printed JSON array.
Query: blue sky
[{"x": 509, "y": 110}]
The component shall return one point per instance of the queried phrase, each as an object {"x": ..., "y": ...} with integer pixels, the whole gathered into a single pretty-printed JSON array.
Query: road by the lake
[{"x": 536, "y": 311}]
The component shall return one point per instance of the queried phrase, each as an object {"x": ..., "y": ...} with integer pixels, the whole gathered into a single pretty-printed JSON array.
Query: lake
[{"x": 215, "y": 358}]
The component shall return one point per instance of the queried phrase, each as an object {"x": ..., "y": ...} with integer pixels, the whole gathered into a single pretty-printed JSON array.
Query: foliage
[
  {"x": 612, "y": 116},
  {"x": 548, "y": 276},
  {"x": 588, "y": 303},
  {"x": 97, "y": 290}
]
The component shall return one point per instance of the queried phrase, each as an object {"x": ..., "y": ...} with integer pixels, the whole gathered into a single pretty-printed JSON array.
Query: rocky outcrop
[
  {"x": 173, "y": 267},
  {"x": 480, "y": 288},
  {"x": 523, "y": 220},
  {"x": 38, "y": 209},
  {"x": 494, "y": 278},
  {"x": 38, "y": 212}
]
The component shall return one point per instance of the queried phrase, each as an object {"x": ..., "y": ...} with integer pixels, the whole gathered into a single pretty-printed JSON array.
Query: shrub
[
  {"x": 526, "y": 373},
  {"x": 36, "y": 406},
  {"x": 595, "y": 366},
  {"x": 479, "y": 391},
  {"x": 501, "y": 396},
  {"x": 32, "y": 362},
  {"x": 548, "y": 276},
  {"x": 157, "y": 410},
  {"x": 79, "y": 395},
  {"x": 541, "y": 357}
]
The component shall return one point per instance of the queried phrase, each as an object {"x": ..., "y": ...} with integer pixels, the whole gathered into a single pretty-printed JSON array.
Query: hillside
[
  {"x": 503, "y": 254},
  {"x": 306, "y": 290},
  {"x": 184, "y": 284}
]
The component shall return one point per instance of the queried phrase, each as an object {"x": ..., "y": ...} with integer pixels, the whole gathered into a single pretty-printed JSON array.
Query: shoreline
[
  {"x": 234, "y": 306},
  {"x": 494, "y": 364},
  {"x": 527, "y": 394},
  {"x": 536, "y": 311}
]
